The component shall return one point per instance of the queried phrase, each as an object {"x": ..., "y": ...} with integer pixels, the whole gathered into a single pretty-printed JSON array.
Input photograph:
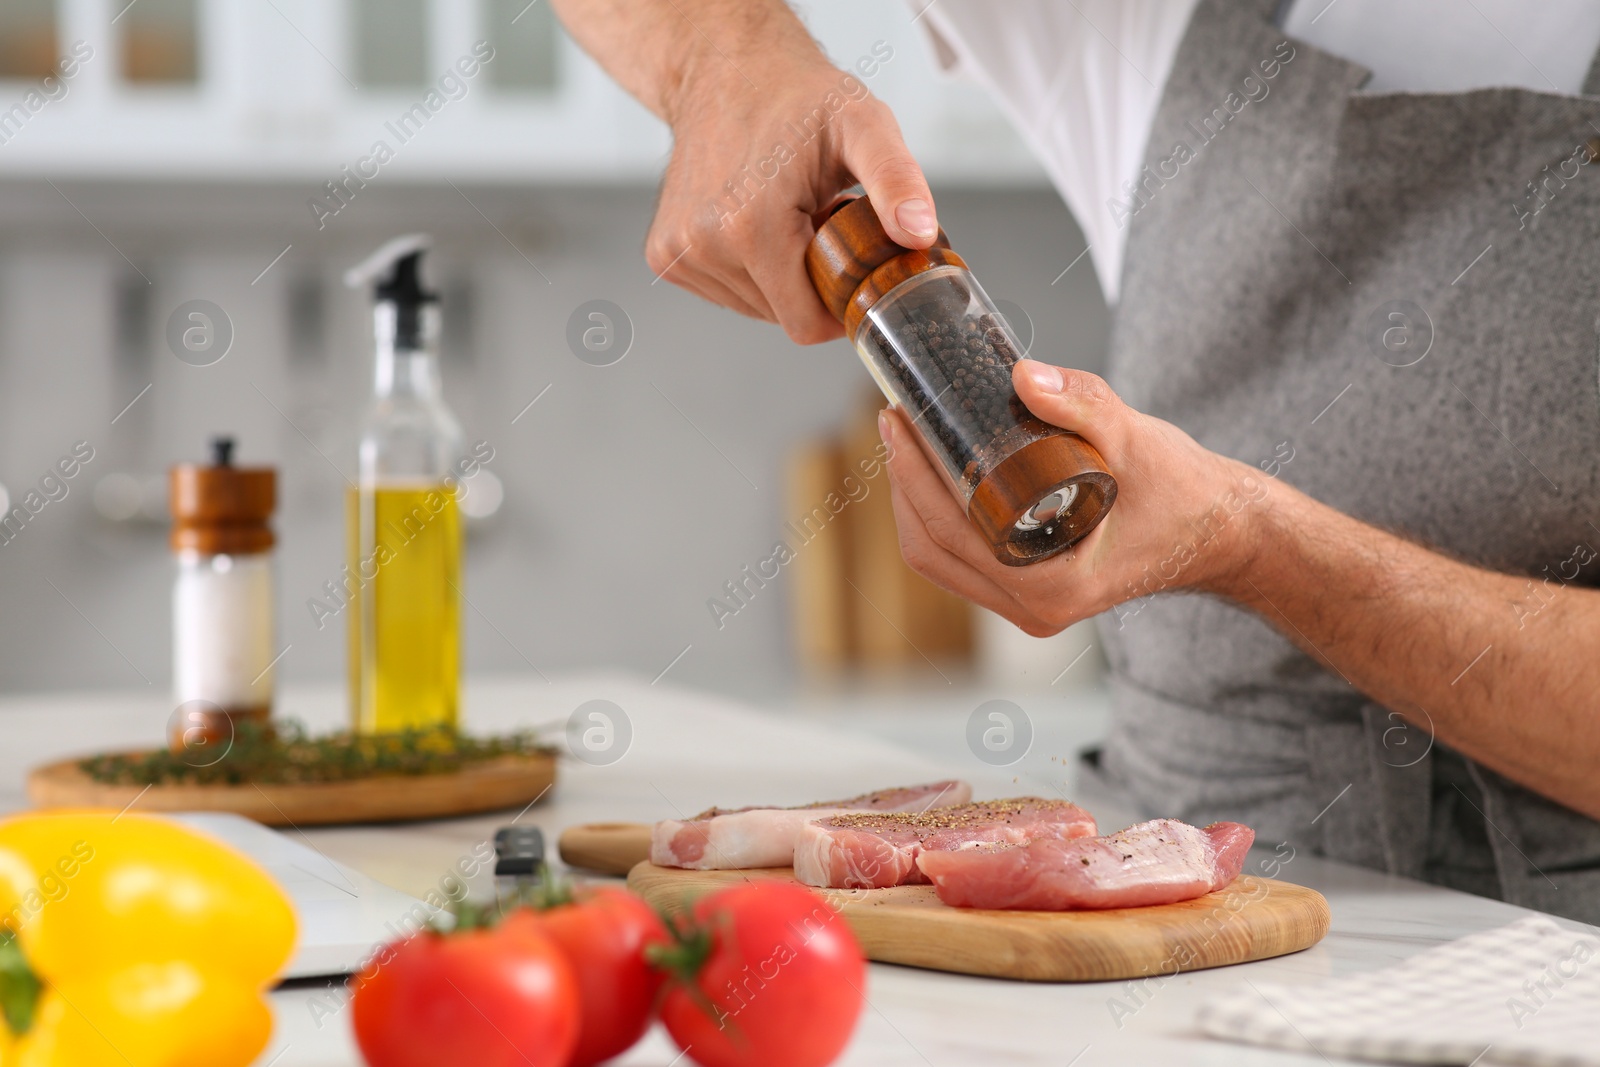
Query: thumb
[
  {"x": 877, "y": 157},
  {"x": 1074, "y": 400}
]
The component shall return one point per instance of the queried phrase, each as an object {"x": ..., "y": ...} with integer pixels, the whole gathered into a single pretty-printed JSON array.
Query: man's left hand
[{"x": 1181, "y": 520}]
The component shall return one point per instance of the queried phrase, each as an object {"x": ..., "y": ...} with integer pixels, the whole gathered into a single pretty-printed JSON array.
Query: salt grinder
[
  {"x": 222, "y": 600},
  {"x": 942, "y": 353}
]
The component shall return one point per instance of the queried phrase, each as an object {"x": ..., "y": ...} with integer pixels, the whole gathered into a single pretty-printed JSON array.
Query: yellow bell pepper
[{"x": 131, "y": 941}]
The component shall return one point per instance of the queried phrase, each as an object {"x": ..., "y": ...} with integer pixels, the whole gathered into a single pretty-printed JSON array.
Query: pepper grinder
[
  {"x": 942, "y": 353},
  {"x": 222, "y": 600}
]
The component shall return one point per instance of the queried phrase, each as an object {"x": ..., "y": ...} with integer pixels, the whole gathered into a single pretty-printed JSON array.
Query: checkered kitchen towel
[{"x": 1526, "y": 994}]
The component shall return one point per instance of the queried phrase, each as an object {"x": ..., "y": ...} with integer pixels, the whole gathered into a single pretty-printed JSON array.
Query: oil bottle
[{"x": 402, "y": 519}]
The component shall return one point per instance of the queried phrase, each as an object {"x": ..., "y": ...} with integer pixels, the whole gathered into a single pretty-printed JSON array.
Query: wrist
[
  {"x": 759, "y": 55},
  {"x": 690, "y": 80},
  {"x": 1247, "y": 523},
  {"x": 708, "y": 82}
]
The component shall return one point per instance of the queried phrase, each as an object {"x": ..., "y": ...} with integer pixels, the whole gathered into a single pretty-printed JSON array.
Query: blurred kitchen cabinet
[
  {"x": 824, "y": 623},
  {"x": 856, "y": 603},
  {"x": 304, "y": 90},
  {"x": 27, "y": 38},
  {"x": 160, "y": 42},
  {"x": 526, "y": 47},
  {"x": 390, "y": 42}
]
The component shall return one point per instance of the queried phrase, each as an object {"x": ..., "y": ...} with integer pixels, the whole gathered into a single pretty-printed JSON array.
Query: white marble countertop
[{"x": 689, "y": 751}]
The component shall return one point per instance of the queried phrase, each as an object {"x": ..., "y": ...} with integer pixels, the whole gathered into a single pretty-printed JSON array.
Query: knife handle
[{"x": 606, "y": 847}]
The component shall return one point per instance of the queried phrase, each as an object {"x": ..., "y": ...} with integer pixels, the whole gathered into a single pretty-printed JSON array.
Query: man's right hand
[
  {"x": 736, "y": 210},
  {"x": 766, "y": 135}
]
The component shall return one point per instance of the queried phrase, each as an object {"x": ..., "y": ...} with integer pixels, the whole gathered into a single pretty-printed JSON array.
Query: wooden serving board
[
  {"x": 1253, "y": 919},
  {"x": 487, "y": 785}
]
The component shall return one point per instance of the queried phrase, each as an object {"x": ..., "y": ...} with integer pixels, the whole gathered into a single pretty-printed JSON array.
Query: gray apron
[{"x": 1261, "y": 277}]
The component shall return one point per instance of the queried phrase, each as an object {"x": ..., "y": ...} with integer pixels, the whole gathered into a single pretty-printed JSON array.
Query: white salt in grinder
[{"x": 223, "y": 619}]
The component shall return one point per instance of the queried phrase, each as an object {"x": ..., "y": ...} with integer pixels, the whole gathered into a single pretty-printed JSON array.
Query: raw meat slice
[
  {"x": 721, "y": 839},
  {"x": 1156, "y": 862},
  {"x": 873, "y": 850}
]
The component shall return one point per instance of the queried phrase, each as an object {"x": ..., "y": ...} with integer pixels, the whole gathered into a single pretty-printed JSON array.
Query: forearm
[
  {"x": 1505, "y": 670},
  {"x": 655, "y": 49}
]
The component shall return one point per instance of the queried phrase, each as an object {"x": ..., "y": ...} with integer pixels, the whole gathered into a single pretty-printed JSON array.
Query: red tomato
[
  {"x": 779, "y": 980},
  {"x": 603, "y": 933},
  {"x": 491, "y": 998}
]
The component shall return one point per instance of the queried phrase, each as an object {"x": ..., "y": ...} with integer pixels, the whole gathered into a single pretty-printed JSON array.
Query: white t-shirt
[{"x": 1081, "y": 79}]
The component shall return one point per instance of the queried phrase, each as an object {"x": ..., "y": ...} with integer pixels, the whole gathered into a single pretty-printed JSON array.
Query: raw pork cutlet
[
  {"x": 733, "y": 839},
  {"x": 873, "y": 849},
  {"x": 1156, "y": 862}
]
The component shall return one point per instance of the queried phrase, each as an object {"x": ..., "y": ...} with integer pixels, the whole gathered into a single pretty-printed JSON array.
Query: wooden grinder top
[
  {"x": 222, "y": 509},
  {"x": 853, "y": 262}
]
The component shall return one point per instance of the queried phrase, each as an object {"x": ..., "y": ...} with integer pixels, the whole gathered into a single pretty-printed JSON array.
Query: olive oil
[
  {"x": 403, "y": 519},
  {"x": 404, "y": 548}
]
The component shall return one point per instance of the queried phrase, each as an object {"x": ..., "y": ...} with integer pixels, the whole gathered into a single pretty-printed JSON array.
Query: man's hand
[
  {"x": 1503, "y": 669},
  {"x": 766, "y": 135},
  {"x": 1182, "y": 518}
]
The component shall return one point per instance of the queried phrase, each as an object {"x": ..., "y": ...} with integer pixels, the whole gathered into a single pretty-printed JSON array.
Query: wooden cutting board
[
  {"x": 487, "y": 785},
  {"x": 1253, "y": 919}
]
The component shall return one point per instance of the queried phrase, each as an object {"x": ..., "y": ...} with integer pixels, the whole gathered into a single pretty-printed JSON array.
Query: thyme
[{"x": 284, "y": 753}]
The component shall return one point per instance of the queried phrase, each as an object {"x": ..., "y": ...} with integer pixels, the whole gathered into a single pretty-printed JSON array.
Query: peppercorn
[{"x": 955, "y": 369}]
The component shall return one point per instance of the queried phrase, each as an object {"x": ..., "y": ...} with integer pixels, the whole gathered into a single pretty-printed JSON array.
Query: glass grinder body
[{"x": 942, "y": 353}]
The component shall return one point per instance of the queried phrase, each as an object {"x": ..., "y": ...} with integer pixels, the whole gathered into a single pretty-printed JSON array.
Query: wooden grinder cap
[
  {"x": 222, "y": 509},
  {"x": 853, "y": 262}
]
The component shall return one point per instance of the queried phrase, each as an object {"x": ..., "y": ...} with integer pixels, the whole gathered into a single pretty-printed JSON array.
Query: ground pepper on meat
[{"x": 938, "y": 818}]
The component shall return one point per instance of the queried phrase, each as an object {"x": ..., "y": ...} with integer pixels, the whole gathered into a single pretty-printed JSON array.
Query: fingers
[
  {"x": 876, "y": 156},
  {"x": 921, "y": 500},
  {"x": 952, "y": 574},
  {"x": 744, "y": 247},
  {"x": 937, "y": 565},
  {"x": 1075, "y": 400},
  {"x": 776, "y": 260},
  {"x": 928, "y": 494},
  {"x": 687, "y": 255},
  {"x": 753, "y": 263},
  {"x": 746, "y": 299}
]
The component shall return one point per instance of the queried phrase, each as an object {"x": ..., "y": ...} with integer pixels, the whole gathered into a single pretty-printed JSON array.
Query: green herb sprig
[{"x": 284, "y": 753}]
